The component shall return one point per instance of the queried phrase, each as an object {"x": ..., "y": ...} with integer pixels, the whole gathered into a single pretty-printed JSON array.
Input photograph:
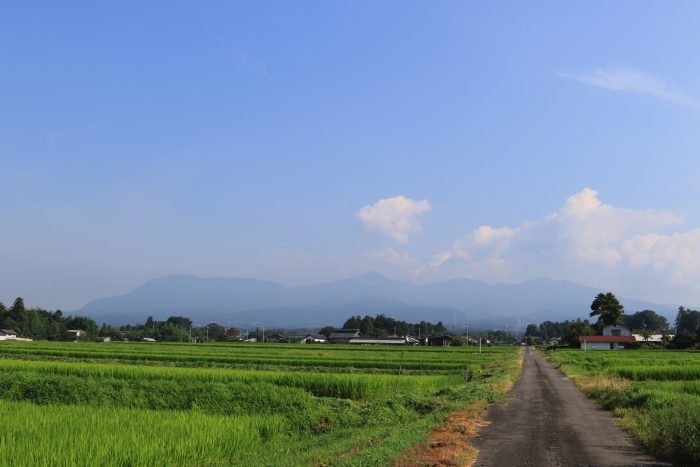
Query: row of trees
[
  {"x": 37, "y": 323},
  {"x": 381, "y": 326},
  {"x": 173, "y": 329}
]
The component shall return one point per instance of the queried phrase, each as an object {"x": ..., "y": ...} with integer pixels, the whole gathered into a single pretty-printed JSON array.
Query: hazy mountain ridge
[{"x": 247, "y": 302}]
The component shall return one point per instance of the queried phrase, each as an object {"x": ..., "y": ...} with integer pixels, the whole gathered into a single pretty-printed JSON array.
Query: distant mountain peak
[{"x": 246, "y": 301}]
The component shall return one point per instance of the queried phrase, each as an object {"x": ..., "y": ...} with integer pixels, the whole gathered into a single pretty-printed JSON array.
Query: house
[
  {"x": 148, "y": 339},
  {"x": 343, "y": 336},
  {"x": 314, "y": 339},
  {"x": 406, "y": 340},
  {"x": 614, "y": 337},
  {"x": 605, "y": 342},
  {"x": 617, "y": 330},
  {"x": 438, "y": 341},
  {"x": 8, "y": 335}
]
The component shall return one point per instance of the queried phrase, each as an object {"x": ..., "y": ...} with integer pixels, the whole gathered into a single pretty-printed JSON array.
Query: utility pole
[
  {"x": 480, "y": 345},
  {"x": 207, "y": 333},
  {"x": 467, "y": 325},
  {"x": 263, "y": 335}
]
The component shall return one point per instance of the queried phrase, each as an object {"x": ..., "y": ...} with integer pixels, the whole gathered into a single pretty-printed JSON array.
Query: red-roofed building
[
  {"x": 613, "y": 338},
  {"x": 605, "y": 342}
]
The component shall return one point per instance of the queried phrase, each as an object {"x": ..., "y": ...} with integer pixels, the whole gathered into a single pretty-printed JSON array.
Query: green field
[
  {"x": 223, "y": 404},
  {"x": 656, "y": 393}
]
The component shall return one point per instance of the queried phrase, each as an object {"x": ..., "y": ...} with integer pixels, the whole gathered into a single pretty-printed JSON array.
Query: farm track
[{"x": 549, "y": 422}]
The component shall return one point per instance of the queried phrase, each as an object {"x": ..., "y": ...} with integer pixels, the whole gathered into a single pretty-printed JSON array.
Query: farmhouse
[
  {"x": 8, "y": 335},
  {"x": 406, "y": 340},
  {"x": 314, "y": 339},
  {"x": 614, "y": 337},
  {"x": 343, "y": 336}
]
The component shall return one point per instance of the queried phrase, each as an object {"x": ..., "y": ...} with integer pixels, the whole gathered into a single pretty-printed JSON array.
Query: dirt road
[{"x": 549, "y": 422}]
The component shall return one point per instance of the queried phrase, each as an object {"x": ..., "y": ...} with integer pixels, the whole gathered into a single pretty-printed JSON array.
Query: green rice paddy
[
  {"x": 230, "y": 404},
  {"x": 655, "y": 392}
]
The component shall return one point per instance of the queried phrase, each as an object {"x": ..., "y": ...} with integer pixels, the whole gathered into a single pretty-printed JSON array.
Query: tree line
[
  {"x": 382, "y": 326},
  {"x": 37, "y": 323},
  {"x": 608, "y": 310}
]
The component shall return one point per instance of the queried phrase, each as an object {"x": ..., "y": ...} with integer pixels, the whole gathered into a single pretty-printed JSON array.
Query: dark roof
[
  {"x": 440, "y": 337},
  {"x": 315, "y": 336},
  {"x": 345, "y": 334},
  {"x": 382, "y": 340},
  {"x": 606, "y": 339},
  {"x": 8, "y": 332}
]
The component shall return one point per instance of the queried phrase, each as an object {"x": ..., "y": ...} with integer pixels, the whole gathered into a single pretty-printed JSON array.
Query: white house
[
  {"x": 8, "y": 335},
  {"x": 617, "y": 330},
  {"x": 614, "y": 337}
]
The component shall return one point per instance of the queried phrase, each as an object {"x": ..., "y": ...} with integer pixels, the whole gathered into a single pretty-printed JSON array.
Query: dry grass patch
[{"x": 449, "y": 445}]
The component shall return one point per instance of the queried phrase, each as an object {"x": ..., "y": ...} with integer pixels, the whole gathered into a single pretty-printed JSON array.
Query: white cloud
[
  {"x": 591, "y": 231},
  {"x": 585, "y": 241},
  {"x": 633, "y": 81},
  {"x": 396, "y": 217},
  {"x": 676, "y": 256}
]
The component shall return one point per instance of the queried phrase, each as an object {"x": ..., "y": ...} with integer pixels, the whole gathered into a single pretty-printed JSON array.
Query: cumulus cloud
[
  {"x": 676, "y": 256},
  {"x": 591, "y": 231},
  {"x": 397, "y": 217},
  {"x": 633, "y": 81},
  {"x": 585, "y": 240}
]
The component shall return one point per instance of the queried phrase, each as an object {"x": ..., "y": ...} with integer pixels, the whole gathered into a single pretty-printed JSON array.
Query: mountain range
[{"x": 244, "y": 303}]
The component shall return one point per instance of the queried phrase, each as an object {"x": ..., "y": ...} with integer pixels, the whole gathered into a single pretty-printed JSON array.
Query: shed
[{"x": 438, "y": 341}]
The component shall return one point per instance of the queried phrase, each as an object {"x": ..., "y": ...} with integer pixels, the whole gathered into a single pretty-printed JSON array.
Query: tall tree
[
  {"x": 17, "y": 310},
  {"x": 687, "y": 321},
  {"x": 574, "y": 329},
  {"x": 608, "y": 309}
]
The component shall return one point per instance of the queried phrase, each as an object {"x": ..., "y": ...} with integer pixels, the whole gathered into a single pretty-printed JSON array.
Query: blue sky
[{"x": 508, "y": 140}]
